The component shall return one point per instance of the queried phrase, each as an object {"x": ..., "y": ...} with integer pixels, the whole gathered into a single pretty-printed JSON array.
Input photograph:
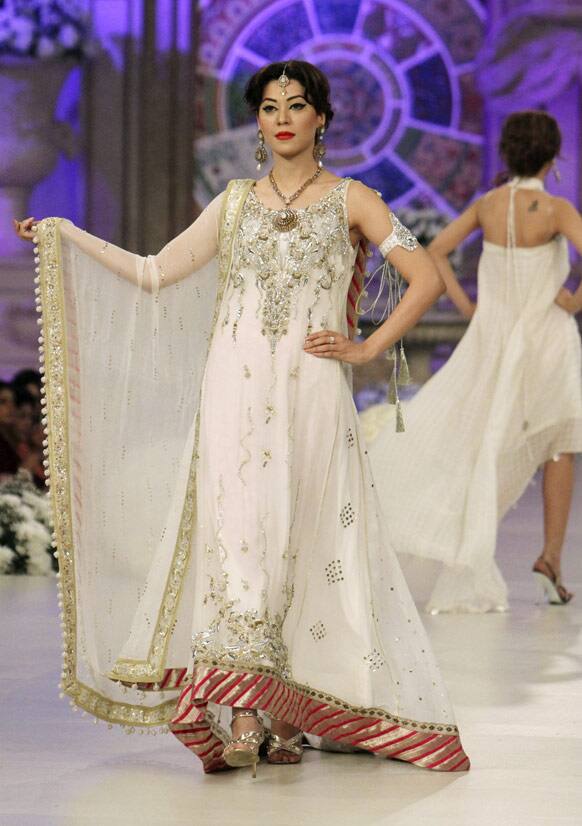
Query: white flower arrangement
[
  {"x": 25, "y": 528},
  {"x": 44, "y": 28}
]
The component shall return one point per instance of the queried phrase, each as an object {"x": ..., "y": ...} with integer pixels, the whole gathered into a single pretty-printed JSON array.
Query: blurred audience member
[
  {"x": 29, "y": 435},
  {"x": 9, "y": 458},
  {"x": 30, "y": 381}
]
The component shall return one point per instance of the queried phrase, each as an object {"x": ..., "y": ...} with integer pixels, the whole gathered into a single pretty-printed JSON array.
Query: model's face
[
  {"x": 288, "y": 122},
  {"x": 6, "y": 406}
]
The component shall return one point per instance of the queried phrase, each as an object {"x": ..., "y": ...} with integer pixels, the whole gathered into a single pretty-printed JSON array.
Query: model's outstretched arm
[
  {"x": 185, "y": 254},
  {"x": 370, "y": 218},
  {"x": 569, "y": 223},
  {"x": 440, "y": 248}
]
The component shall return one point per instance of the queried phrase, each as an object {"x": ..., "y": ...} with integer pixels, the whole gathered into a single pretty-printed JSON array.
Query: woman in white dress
[
  {"x": 509, "y": 398},
  {"x": 216, "y": 521}
]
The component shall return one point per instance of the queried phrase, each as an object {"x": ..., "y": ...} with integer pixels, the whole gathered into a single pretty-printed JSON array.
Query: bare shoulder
[
  {"x": 563, "y": 207},
  {"x": 567, "y": 220},
  {"x": 363, "y": 200},
  {"x": 491, "y": 198},
  {"x": 493, "y": 194}
]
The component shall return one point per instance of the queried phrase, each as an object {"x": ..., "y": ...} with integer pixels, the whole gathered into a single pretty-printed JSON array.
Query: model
[
  {"x": 216, "y": 519},
  {"x": 508, "y": 400}
]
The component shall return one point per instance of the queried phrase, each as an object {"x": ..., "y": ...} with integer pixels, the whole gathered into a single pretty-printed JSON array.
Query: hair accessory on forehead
[{"x": 283, "y": 82}]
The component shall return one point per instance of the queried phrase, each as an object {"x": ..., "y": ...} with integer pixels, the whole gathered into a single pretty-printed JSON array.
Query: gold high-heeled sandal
[
  {"x": 556, "y": 593},
  {"x": 292, "y": 746},
  {"x": 244, "y": 749}
]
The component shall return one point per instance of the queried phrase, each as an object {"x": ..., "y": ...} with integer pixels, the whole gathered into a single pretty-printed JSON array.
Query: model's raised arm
[
  {"x": 185, "y": 254},
  {"x": 373, "y": 220}
]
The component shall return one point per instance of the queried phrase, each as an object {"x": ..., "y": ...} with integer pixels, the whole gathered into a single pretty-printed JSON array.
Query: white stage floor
[{"x": 515, "y": 681}]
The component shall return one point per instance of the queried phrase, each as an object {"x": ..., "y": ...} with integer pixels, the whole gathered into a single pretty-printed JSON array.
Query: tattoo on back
[{"x": 533, "y": 207}]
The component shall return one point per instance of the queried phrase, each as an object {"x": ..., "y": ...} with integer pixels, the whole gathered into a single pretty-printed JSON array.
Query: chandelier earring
[
  {"x": 319, "y": 147},
  {"x": 556, "y": 170},
  {"x": 260, "y": 152}
]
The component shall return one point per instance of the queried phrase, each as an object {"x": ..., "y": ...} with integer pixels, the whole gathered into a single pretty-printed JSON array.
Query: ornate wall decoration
[
  {"x": 408, "y": 115},
  {"x": 533, "y": 53}
]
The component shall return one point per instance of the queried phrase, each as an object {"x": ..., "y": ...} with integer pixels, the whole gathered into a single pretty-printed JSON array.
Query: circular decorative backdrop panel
[{"x": 407, "y": 113}]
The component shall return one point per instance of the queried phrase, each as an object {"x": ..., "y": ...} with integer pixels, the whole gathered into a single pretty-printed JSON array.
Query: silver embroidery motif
[
  {"x": 399, "y": 237},
  {"x": 320, "y": 232},
  {"x": 347, "y": 515},
  {"x": 374, "y": 660},
  {"x": 241, "y": 639},
  {"x": 334, "y": 572},
  {"x": 318, "y": 631}
]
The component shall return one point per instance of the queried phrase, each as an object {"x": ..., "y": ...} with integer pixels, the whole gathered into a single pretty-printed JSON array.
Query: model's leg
[
  {"x": 557, "y": 490},
  {"x": 558, "y": 485},
  {"x": 284, "y": 743}
]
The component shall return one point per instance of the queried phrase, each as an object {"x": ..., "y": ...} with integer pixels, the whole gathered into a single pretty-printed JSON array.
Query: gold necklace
[{"x": 286, "y": 219}]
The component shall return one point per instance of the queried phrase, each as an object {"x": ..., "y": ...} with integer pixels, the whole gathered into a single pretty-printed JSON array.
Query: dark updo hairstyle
[
  {"x": 312, "y": 79},
  {"x": 529, "y": 140}
]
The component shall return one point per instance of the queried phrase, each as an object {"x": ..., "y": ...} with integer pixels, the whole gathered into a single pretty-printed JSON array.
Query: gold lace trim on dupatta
[{"x": 53, "y": 355}]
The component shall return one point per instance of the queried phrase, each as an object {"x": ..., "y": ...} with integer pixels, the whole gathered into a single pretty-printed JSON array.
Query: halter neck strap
[{"x": 527, "y": 183}]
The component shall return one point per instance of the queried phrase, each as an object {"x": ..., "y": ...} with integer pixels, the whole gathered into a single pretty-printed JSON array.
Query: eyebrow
[{"x": 291, "y": 98}]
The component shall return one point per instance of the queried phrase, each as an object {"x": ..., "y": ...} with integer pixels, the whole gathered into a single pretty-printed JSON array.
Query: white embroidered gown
[
  {"x": 508, "y": 400},
  {"x": 298, "y": 605},
  {"x": 294, "y": 575}
]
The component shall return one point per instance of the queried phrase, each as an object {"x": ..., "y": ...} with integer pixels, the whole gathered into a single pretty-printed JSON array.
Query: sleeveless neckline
[{"x": 299, "y": 209}]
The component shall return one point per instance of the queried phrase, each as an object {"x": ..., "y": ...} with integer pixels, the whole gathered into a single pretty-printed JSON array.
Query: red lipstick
[{"x": 285, "y": 136}]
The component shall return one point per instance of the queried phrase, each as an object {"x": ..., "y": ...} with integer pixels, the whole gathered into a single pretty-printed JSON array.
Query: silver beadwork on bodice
[{"x": 283, "y": 264}]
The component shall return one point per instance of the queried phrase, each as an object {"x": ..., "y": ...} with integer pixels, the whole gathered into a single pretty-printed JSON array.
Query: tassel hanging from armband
[
  {"x": 400, "y": 428},
  {"x": 403, "y": 369},
  {"x": 393, "y": 397},
  {"x": 393, "y": 388}
]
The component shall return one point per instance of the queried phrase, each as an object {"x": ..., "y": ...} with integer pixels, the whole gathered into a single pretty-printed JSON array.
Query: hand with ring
[{"x": 331, "y": 344}]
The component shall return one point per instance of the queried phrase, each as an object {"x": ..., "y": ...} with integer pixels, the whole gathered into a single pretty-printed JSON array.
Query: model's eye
[
  {"x": 268, "y": 108},
  {"x": 298, "y": 106}
]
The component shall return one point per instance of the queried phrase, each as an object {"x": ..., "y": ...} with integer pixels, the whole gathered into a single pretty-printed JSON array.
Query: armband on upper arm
[{"x": 399, "y": 237}]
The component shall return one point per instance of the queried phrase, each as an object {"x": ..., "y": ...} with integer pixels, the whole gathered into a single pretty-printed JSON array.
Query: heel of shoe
[
  {"x": 244, "y": 750},
  {"x": 239, "y": 758},
  {"x": 546, "y": 588},
  {"x": 549, "y": 589}
]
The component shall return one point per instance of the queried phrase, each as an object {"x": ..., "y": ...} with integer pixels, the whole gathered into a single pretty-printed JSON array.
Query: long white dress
[
  {"x": 283, "y": 593},
  {"x": 507, "y": 400}
]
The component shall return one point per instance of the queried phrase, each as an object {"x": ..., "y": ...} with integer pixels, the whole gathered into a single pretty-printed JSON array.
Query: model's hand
[
  {"x": 24, "y": 228},
  {"x": 566, "y": 301},
  {"x": 329, "y": 344}
]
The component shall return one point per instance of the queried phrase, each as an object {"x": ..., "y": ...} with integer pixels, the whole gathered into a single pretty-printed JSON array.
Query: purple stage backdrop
[{"x": 420, "y": 88}]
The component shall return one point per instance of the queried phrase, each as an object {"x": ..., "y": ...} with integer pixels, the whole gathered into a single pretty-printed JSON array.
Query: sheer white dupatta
[{"x": 124, "y": 363}]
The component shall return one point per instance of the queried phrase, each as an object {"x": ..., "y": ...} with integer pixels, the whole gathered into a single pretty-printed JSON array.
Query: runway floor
[{"x": 515, "y": 680}]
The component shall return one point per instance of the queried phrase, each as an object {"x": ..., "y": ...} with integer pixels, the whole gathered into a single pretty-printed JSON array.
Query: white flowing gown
[
  {"x": 508, "y": 399},
  {"x": 283, "y": 593}
]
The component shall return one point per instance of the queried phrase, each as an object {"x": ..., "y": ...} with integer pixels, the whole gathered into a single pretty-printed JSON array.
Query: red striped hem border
[{"x": 434, "y": 747}]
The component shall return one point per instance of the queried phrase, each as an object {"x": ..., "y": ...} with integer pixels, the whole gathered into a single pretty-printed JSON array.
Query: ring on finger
[{"x": 331, "y": 340}]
